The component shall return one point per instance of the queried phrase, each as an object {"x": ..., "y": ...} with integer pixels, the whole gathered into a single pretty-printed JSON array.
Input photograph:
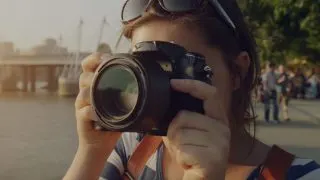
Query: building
[
  {"x": 6, "y": 48},
  {"x": 49, "y": 47}
]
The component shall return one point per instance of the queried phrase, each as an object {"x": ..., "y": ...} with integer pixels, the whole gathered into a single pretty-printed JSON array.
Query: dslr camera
[{"x": 131, "y": 92}]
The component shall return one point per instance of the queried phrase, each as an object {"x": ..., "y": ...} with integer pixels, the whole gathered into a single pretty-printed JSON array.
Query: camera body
[{"x": 152, "y": 105}]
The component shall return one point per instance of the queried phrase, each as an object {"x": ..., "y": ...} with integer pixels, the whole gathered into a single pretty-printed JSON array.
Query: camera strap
[
  {"x": 140, "y": 156},
  {"x": 276, "y": 165}
]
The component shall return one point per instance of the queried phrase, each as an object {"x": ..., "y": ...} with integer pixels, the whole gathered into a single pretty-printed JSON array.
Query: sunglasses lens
[
  {"x": 133, "y": 9},
  {"x": 181, "y": 5}
]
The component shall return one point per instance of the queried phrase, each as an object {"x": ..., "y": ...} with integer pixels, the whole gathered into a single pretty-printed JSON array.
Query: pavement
[
  {"x": 38, "y": 135},
  {"x": 301, "y": 135}
]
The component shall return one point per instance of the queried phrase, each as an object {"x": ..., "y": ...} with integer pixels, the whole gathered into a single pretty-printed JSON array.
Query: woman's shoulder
[{"x": 302, "y": 168}]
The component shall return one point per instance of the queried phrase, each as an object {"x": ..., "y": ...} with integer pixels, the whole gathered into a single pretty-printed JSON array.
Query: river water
[{"x": 37, "y": 136}]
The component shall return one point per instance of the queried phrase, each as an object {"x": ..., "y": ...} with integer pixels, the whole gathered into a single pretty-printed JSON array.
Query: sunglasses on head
[{"x": 133, "y": 9}]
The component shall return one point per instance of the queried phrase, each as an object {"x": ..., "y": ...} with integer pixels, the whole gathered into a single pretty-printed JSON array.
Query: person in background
[
  {"x": 313, "y": 80},
  {"x": 300, "y": 81},
  {"x": 283, "y": 88},
  {"x": 269, "y": 81}
]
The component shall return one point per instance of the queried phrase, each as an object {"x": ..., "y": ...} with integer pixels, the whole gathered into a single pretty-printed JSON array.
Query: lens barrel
[{"x": 131, "y": 93}]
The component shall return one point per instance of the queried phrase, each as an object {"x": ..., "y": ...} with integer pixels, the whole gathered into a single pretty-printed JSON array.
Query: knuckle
[
  {"x": 83, "y": 98},
  {"x": 78, "y": 100},
  {"x": 86, "y": 61},
  {"x": 86, "y": 79},
  {"x": 86, "y": 93},
  {"x": 81, "y": 79},
  {"x": 84, "y": 114},
  {"x": 90, "y": 61}
]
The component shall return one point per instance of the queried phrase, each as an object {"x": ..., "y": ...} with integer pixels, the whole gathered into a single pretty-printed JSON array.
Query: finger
[
  {"x": 186, "y": 119},
  {"x": 86, "y": 114},
  {"x": 86, "y": 79},
  {"x": 193, "y": 137},
  {"x": 90, "y": 63},
  {"x": 192, "y": 120},
  {"x": 86, "y": 119},
  {"x": 195, "y": 88},
  {"x": 187, "y": 156},
  {"x": 191, "y": 157},
  {"x": 83, "y": 98}
]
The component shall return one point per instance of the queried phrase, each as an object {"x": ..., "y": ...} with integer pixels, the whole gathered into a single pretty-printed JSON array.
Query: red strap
[
  {"x": 140, "y": 156},
  {"x": 276, "y": 165}
]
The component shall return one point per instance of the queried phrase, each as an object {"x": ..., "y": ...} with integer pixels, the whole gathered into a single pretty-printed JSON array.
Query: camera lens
[{"x": 117, "y": 92}]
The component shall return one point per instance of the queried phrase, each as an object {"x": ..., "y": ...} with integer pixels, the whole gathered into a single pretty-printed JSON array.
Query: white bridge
[
  {"x": 39, "y": 60},
  {"x": 32, "y": 67}
]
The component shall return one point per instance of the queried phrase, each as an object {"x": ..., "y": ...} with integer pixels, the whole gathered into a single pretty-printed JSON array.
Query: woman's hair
[{"x": 220, "y": 36}]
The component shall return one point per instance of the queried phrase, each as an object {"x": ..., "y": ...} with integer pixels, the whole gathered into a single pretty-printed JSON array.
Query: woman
[
  {"x": 314, "y": 81},
  {"x": 215, "y": 145},
  {"x": 284, "y": 89}
]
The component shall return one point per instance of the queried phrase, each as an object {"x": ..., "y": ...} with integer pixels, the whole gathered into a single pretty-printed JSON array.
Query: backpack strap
[
  {"x": 144, "y": 150},
  {"x": 276, "y": 165}
]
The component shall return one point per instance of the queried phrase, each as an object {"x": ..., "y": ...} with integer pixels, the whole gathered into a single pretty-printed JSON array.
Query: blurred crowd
[{"x": 278, "y": 84}]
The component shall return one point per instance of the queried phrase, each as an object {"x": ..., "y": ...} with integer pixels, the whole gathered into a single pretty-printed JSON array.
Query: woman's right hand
[{"x": 89, "y": 135}]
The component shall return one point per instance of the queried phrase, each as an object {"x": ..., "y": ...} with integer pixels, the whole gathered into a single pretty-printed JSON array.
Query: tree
[{"x": 285, "y": 29}]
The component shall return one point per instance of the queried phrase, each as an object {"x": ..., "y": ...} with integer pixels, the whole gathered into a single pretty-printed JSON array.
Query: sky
[{"x": 28, "y": 22}]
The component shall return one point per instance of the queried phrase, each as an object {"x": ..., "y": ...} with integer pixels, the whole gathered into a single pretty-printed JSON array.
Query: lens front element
[{"x": 117, "y": 92}]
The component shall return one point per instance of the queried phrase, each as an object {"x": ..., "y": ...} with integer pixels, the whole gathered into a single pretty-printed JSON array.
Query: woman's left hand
[{"x": 201, "y": 142}]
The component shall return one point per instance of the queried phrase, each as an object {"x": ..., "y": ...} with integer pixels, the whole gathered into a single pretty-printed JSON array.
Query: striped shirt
[{"x": 301, "y": 169}]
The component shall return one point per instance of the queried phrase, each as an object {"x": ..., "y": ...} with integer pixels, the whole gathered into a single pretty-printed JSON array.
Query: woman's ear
[{"x": 242, "y": 62}]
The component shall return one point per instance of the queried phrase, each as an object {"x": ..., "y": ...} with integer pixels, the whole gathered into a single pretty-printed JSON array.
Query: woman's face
[
  {"x": 192, "y": 40},
  {"x": 163, "y": 30}
]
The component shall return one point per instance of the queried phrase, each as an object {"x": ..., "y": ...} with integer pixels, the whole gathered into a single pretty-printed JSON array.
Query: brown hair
[{"x": 220, "y": 36}]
